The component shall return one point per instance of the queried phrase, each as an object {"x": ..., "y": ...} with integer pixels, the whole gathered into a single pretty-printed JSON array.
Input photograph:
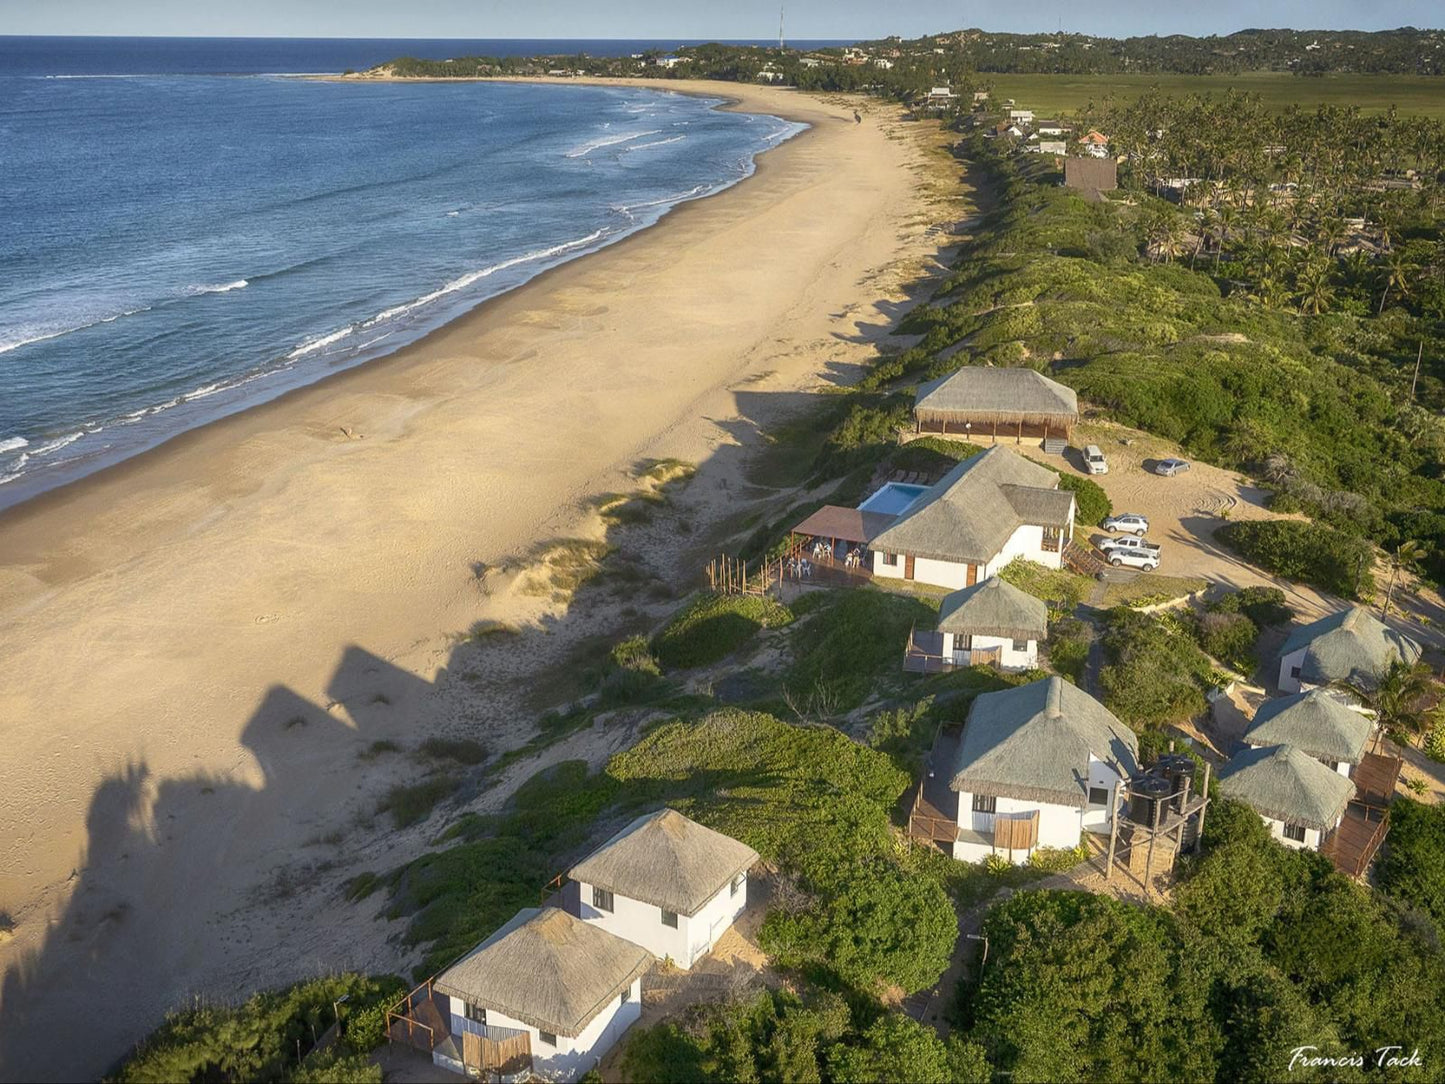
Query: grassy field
[{"x": 1413, "y": 95}]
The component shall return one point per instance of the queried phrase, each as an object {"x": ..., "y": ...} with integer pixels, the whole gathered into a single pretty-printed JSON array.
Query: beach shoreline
[
  {"x": 25, "y": 490},
  {"x": 204, "y": 639}
]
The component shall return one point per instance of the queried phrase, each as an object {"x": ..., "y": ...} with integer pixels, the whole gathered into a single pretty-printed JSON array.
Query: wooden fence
[
  {"x": 1014, "y": 833},
  {"x": 734, "y": 576}
]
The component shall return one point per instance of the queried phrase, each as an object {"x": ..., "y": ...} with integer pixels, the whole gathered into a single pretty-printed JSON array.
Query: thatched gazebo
[{"x": 977, "y": 399}]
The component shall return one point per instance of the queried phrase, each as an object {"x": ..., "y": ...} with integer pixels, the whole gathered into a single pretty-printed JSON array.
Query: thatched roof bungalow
[
  {"x": 1298, "y": 797},
  {"x": 1318, "y": 723},
  {"x": 1014, "y": 402},
  {"x": 547, "y": 993},
  {"x": 1350, "y": 645},
  {"x": 666, "y": 882},
  {"x": 1046, "y": 755}
]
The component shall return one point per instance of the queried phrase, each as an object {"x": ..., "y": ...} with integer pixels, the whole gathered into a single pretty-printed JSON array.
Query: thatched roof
[
  {"x": 666, "y": 860},
  {"x": 1033, "y": 742},
  {"x": 1287, "y": 784},
  {"x": 976, "y": 507},
  {"x": 1316, "y": 722},
  {"x": 986, "y": 395},
  {"x": 1349, "y": 645},
  {"x": 849, "y": 524},
  {"x": 547, "y": 969},
  {"x": 994, "y": 608}
]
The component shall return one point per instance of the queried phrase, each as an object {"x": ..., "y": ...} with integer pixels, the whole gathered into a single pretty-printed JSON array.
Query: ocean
[{"x": 186, "y": 230}]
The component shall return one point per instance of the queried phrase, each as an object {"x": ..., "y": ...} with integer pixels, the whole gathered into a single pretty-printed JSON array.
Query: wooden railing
[{"x": 401, "y": 1014}]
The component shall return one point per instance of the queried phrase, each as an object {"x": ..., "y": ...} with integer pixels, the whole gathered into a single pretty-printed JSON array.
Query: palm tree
[
  {"x": 1407, "y": 557},
  {"x": 1315, "y": 291},
  {"x": 1395, "y": 275},
  {"x": 1399, "y": 697}
]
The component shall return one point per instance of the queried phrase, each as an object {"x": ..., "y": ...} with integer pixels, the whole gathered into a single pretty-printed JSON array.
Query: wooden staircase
[{"x": 1084, "y": 561}]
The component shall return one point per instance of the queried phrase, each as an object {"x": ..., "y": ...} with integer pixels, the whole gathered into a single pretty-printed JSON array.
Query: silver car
[
  {"x": 1170, "y": 467},
  {"x": 1128, "y": 523}
]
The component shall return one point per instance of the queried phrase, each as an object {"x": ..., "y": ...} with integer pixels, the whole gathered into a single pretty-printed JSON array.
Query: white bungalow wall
[
  {"x": 1059, "y": 825},
  {"x": 570, "y": 1058},
  {"x": 1009, "y": 658},
  {"x": 1289, "y": 681},
  {"x": 1311, "y": 841},
  {"x": 641, "y": 923},
  {"x": 1027, "y": 541}
]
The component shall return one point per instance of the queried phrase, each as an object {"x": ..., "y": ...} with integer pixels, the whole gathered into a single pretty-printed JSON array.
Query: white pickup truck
[{"x": 1133, "y": 552}]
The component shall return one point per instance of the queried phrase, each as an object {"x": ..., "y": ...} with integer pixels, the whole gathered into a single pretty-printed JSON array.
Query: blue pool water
[
  {"x": 893, "y": 499},
  {"x": 176, "y": 244}
]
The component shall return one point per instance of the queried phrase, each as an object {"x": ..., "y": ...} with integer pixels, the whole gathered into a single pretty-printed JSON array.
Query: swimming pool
[{"x": 893, "y": 499}]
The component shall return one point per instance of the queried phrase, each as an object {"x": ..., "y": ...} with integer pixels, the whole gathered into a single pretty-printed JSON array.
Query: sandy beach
[{"x": 199, "y": 643}]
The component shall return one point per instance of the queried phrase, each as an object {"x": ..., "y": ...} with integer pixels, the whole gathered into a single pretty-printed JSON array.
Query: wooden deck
[
  {"x": 1352, "y": 846},
  {"x": 933, "y": 817},
  {"x": 1375, "y": 778}
]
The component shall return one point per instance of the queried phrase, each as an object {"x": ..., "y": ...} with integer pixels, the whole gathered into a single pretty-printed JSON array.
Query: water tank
[
  {"x": 1176, "y": 768},
  {"x": 1148, "y": 796}
]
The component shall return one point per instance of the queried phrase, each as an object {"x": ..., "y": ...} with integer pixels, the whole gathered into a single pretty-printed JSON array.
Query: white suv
[
  {"x": 1094, "y": 460},
  {"x": 1128, "y": 523}
]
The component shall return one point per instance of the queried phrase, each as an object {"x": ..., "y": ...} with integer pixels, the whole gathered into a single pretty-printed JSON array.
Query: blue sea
[{"x": 187, "y": 230}]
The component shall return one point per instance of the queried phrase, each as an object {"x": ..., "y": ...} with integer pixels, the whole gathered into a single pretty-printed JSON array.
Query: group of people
[{"x": 823, "y": 551}]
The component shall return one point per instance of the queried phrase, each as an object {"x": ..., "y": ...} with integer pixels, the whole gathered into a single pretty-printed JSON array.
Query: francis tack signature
[{"x": 1382, "y": 1057}]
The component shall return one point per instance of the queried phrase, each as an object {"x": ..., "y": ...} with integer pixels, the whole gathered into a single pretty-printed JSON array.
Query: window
[
  {"x": 601, "y": 899},
  {"x": 475, "y": 1013},
  {"x": 1098, "y": 796},
  {"x": 547, "y": 1038},
  {"x": 1295, "y": 832},
  {"x": 737, "y": 884},
  {"x": 1294, "y": 672},
  {"x": 1021, "y": 645},
  {"x": 984, "y": 803},
  {"x": 669, "y": 918},
  {"x": 626, "y": 993},
  {"x": 890, "y": 560}
]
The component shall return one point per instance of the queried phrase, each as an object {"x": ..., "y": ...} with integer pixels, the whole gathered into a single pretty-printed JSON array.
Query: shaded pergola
[{"x": 983, "y": 400}]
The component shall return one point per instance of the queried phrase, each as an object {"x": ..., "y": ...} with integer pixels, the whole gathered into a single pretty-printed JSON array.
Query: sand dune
[{"x": 196, "y": 644}]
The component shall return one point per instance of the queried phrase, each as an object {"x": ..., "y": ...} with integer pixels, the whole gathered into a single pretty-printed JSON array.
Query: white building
[
  {"x": 979, "y": 517},
  {"x": 1036, "y": 766},
  {"x": 546, "y": 995},
  {"x": 1301, "y": 800},
  {"x": 1021, "y": 116},
  {"x": 666, "y": 883},
  {"x": 1317, "y": 722},
  {"x": 992, "y": 623},
  {"x": 1351, "y": 645}
]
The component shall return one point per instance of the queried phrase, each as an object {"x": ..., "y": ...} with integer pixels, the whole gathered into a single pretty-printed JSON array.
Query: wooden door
[
  {"x": 972, "y": 575},
  {"x": 908, "y": 567}
]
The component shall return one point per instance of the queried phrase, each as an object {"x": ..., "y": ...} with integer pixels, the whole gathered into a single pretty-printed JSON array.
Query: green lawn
[{"x": 1044, "y": 94}]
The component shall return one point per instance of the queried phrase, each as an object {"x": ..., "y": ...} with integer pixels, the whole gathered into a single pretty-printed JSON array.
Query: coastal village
[
  {"x": 959, "y": 675},
  {"x": 1036, "y": 770}
]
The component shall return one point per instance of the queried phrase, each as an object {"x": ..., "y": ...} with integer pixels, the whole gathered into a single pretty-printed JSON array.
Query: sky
[{"x": 691, "y": 19}]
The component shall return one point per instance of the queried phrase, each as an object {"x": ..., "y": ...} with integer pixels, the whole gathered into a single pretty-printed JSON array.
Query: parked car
[
  {"x": 1128, "y": 523},
  {"x": 1111, "y": 546},
  {"x": 1170, "y": 467},
  {"x": 1094, "y": 460},
  {"x": 1145, "y": 560}
]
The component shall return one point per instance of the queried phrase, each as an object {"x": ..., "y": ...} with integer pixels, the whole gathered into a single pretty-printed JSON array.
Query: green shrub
[
  {"x": 1229, "y": 637},
  {"x": 632, "y": 674},
  {"x": 412, "y": 803},
  {"x": 1069, "y": 643},
  {"x": 1307, "y": 552},
  {"x": 1264, "y": 606},
  {"x": 713, "y": 626},
  {"x": 1092, "y": 503},
  {"x": 257, "y": 1040},
  {"x": 854, "y": 639},
  {"x": 1412, "y": 869},
  {"x": 877, "y": 924},
  {"x": 1154, "y": 673},
  {"x": 1062, "y": 590},
  {"x": 462, "y": 750}
]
